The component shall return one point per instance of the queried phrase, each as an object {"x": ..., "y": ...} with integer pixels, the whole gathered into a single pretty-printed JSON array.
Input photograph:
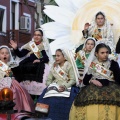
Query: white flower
[{"x": 71, "y": 15}]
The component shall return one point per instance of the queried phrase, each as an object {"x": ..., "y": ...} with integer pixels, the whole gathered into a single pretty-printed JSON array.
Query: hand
[
  {"x": 80, "y": 81},
  {"x": 13, "y": 44},
  {"x": 36, "y": 61},
  {"x": 75, "y": 56},
  {"x": 61, "y": 88},
  {"x": 86, "y": 26},
  {"x": 96, "y": 82},
  {"x": 8, "y": 73}
]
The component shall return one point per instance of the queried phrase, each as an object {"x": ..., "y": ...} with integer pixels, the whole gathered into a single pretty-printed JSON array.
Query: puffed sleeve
[
  {"x": 86, "y": 79},
  {"x": 72, "y": 80},
  {"x": 21, "y": 53},
  {"x": 116, "y": 71},
  {"x": 85, "y": 34},
  {"x": 109, "y": 40},
  {"x": 50, "y": 79}
]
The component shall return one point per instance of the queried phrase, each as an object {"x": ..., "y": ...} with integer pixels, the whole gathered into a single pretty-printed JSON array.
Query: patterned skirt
[
  {"x": 97, "y": 103},
  {"x": 95, "y": 112},
  {"x": 92, "y": 94}
]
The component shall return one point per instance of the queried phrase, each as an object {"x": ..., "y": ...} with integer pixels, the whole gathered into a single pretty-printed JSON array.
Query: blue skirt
[{"x": 59, "y": 106}]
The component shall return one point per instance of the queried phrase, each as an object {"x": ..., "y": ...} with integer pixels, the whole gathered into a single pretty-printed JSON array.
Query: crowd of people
[{"x": 84, "y": 85}]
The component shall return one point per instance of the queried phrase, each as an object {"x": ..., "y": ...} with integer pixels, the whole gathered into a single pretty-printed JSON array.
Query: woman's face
[
  {"x": 59, "y": 57},
  {"x": 37, "y": 36},
  {"x": 102, "y": 54},
  {"x": 100, "y": 20},
  {"x": 89, "y": 45},
  {"x": 4, "y": 55}
]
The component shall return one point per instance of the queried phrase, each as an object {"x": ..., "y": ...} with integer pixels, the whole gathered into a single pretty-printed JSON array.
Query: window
[
  {"x": 2, "y": 19},
  {"x": 27, "y": 21},
  {"x": 13, "y": 15},
  {"x": 32, "y": 0},
  {"x": 35, "y": 1}
]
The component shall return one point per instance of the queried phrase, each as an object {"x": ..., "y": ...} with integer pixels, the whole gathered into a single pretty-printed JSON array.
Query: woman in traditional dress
[
  {"x": 100, "y": 29},
  {"x": 21, "y": 97},
  {"x": 82, "y": 55},
  {"x": 33, "y": 68},
  {"x": 100, "y": 98},
  {"x": 62, "y": 78}
]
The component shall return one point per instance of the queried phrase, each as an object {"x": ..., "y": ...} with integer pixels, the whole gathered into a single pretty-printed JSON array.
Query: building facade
[{"x": 17, "y": 21}]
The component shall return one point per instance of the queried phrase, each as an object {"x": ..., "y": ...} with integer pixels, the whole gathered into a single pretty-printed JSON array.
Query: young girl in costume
[
  {"x": 21, "y": 97},
  {"x": 33, "y": 66},
  {"x": 62, "y": 78},
  {"x": 100, "y": 29},
  {"x": 100, "y": 98},
  {"x": 82, "y": 55}
]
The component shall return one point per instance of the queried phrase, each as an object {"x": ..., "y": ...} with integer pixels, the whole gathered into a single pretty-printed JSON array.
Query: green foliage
[{"x": 46, "y": 19}]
